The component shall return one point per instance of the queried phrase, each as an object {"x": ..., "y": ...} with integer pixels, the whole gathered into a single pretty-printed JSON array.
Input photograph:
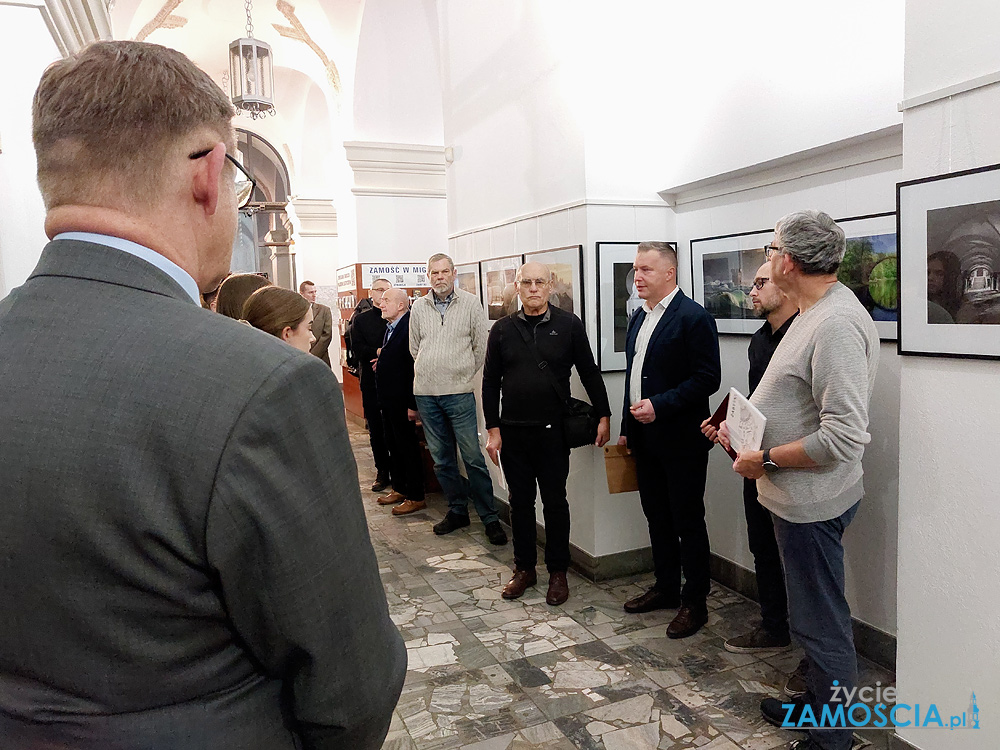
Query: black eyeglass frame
[
  {"x": 769, "y": 250},
  {"x": 759, "y": 282},
  {"x": 253, "y": 182}
]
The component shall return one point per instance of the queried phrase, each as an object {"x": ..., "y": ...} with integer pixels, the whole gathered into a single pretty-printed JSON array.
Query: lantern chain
[{"x": 248, "y": 4}]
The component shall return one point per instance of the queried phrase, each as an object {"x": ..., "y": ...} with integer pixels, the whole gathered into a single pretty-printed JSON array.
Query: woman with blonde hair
[
  {"x": 234, "y": 292},
  {"x": 283, "y": 314}
]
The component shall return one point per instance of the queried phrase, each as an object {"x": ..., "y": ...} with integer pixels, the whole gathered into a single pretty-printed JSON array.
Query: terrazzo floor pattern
[{"x": 489, "y": 674}]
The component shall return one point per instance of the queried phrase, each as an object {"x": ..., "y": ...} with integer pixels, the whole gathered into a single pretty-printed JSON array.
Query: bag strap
[{"x": 542, "y": 364}]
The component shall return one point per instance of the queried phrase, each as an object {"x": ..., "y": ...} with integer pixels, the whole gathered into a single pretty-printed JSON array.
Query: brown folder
[
  {"x": 718, "y": 418},
  {"x": 619, "y": 465}
]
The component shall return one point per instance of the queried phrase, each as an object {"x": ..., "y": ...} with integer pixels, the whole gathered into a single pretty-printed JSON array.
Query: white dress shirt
[{"x": 642, "y": 341}]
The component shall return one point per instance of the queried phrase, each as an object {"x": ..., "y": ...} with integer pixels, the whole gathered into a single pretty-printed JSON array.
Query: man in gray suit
[
  {"x": 322, "y": 325},
  {"x": 184, "y": 559}
]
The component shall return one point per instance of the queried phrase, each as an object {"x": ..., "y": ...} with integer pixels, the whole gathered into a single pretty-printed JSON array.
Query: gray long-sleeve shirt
[{"x": 817, "y": 388}]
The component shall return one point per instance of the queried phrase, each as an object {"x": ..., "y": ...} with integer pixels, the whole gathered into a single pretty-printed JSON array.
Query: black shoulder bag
[{"x": 580, "y": 420}]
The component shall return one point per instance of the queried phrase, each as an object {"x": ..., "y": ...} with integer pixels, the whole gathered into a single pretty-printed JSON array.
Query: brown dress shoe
[
  {"x": 651, "y": 600},
  {"x": 558, "y": 589},
  {"x": 392, "y": 498},
  {"x": 519, "y": 583},
  {"x": 408, "y": 506},
  {"x": 689, "y": 621}
]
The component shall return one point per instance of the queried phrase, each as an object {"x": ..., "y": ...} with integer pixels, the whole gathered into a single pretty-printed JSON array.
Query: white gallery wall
[
  {"x": 949, "y": 590},
  {"x": 27, "y": 48}
]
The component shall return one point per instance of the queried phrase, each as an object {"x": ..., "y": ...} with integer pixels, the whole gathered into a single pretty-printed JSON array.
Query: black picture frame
[{"x": 949, "y": 224}]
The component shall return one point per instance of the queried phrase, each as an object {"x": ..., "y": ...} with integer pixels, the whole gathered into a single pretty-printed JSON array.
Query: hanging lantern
[{"x": 251, "y": 77}]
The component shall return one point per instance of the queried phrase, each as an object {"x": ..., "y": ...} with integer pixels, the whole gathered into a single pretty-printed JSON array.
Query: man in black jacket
[
  {"x": 527, "y": 438},
  {"x": 367, "y": 332},
  {"x": 672, "y": 351},
  {"x": 394, "y": 375}
]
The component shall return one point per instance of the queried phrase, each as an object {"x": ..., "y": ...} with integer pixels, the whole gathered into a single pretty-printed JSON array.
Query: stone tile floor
[{"x": 488, "y": 674}]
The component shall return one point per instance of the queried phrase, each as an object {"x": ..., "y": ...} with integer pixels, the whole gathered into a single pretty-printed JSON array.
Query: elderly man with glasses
[
  {"x": 525, "y": 429},
  {"x": 815, "y": 395},
  {"x": 186, "y": 562}
]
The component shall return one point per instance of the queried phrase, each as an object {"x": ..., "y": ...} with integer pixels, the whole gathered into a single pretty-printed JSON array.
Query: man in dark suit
[
  {"x": 394, "y": 375},
  {"x": 186, "y": 563},
  {"x": 367, "y": 332},
  {"x": 672, "y": 351},
  {"x": 322, "y": 325}
]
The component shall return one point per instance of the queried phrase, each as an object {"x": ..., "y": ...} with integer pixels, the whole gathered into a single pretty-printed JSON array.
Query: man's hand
[
  {"x": 749, "y": 464},
  {"x": 603, "y": 431},
  {"x": 724, "y": 436},
  {"x": 493, "y": 445},
  {"x": 643, "y": 411},
  {"x": 413, "y": 415},
  {"x": 374, "y": 364},
  {"x": 709, "y": 431},
  {"x": 623, "y": 441}
]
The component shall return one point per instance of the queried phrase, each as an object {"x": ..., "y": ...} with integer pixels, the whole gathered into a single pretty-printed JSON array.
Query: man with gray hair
[
  {"x": 186, "y": 562},
  {"x": 815, "y": 395},
  {"x": 448, "y": 345}
]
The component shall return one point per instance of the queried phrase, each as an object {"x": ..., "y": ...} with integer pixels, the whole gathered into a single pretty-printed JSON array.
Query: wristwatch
[{"x": 769, "y": 465}]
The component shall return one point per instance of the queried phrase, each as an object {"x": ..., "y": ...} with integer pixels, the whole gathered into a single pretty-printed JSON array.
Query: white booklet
[{"x": 745, "y": 422}]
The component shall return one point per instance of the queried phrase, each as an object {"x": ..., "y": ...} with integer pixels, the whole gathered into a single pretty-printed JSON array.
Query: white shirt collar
[
  {"x": 663, "y": 303},
  {"x": 166, "y": 265}
]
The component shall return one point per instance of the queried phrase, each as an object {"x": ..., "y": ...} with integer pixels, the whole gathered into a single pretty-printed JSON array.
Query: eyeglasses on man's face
[
  {"x": 245, "y": 184},
  {"x": 759, "y": 282},
  {"x": 770, "y": 250},
  {"x": 528, "y": 283}
]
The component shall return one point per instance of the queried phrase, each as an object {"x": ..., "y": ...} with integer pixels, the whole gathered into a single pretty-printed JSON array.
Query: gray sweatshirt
[
  {"x": 448, "y": 350},
  {"x": 817, "y": 387}
]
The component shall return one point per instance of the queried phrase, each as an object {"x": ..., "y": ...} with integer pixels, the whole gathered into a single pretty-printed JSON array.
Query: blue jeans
[
  {"x": 818, "y": 614},
  {"x": 450, "y": 422}
]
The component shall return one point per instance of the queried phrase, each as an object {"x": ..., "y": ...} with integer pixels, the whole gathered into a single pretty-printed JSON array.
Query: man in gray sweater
[
  {"x": 448, "y": 343},
  {"x": 815, "y": 395}
]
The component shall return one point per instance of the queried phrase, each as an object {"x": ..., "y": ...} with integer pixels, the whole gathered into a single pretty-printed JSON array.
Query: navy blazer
[
  {"x": 680, "y": 371},
  {"x": 394, "y": 374}
]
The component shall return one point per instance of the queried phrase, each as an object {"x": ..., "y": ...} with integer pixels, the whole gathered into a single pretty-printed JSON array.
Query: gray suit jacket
[
  {"x": 322, "y": 328},
  {"x": 184, "y": 558}
]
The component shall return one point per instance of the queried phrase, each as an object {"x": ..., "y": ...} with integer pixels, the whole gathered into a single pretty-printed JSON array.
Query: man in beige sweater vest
[{"x": 448, "y": 343}]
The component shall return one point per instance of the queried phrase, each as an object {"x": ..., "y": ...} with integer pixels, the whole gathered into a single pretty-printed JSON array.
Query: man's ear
[{"x": 205, "y": 178}]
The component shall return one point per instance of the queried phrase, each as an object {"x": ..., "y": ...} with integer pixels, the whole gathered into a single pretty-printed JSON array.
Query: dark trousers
[
  {"x": 672, "y": 493},
  {"x": 376, "y": 432},
  {"x": 766, "y": 562},
  {"x": 537, "y": 458},
  {"x": 405, "y": 462},
  {"x": 818, "y": 613}
]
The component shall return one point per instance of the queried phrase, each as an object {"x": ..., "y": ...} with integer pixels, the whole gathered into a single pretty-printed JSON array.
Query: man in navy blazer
[
  {"x": 394, "y": 379},
  {"x": 672, "y": 350}
]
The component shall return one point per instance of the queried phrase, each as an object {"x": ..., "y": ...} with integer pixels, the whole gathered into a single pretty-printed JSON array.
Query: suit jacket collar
[{"x": 87, "y": 260}]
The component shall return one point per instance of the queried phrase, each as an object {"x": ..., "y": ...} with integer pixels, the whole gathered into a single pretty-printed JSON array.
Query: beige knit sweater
[{"x": 448, "y": 350}]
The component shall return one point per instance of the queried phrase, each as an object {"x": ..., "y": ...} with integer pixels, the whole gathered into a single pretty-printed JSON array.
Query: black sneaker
[
  {"x": 495, "y": 533},
  {"x": 757, "y": 640},
  {"x": 775, "y": 713},
  {"x": 451, "y": 522},
  {"x": 795, "y": 685}
]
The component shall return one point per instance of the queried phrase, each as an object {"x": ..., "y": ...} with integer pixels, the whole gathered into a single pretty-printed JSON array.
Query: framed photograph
[
  {"x": 722, "y": 272},
  {"x": 617, "y": 299},
  {"x": 499, "y": 292},
  {"x": 871, "y": 268},
  {"x": 949, "y": 226},
  {"x": 467, "y": 279},
  {"x": 566, "y": 264}
]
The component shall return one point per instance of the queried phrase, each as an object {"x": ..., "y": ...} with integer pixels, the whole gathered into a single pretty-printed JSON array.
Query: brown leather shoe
[
  {"x": 408, "y": 506},
  {"x": 651, "y": 600},
  {"x": 519, "y": 583},
  {"x": 689, "y": 621},
  {"x": 391, "y": 499},
  {"x": 558, "y": 589}
]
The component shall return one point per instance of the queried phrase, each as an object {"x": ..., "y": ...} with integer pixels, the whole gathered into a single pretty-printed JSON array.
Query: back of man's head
[
  {"x": 813, "y": 240},
  {"x": 106, "y": 119}
]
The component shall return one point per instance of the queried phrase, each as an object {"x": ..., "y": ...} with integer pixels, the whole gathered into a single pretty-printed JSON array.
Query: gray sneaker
[{"x": 757, "y": 640}]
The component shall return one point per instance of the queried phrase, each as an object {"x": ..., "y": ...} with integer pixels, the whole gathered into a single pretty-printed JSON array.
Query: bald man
[
  {"x": 394, "y": 380},
  {"x": 525, "y": 431}
]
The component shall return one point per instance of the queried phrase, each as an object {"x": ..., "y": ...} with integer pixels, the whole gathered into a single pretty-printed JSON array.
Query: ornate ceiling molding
[
  {"x": 297, "y": 32},
  {"x": 164, "y": 19}
]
